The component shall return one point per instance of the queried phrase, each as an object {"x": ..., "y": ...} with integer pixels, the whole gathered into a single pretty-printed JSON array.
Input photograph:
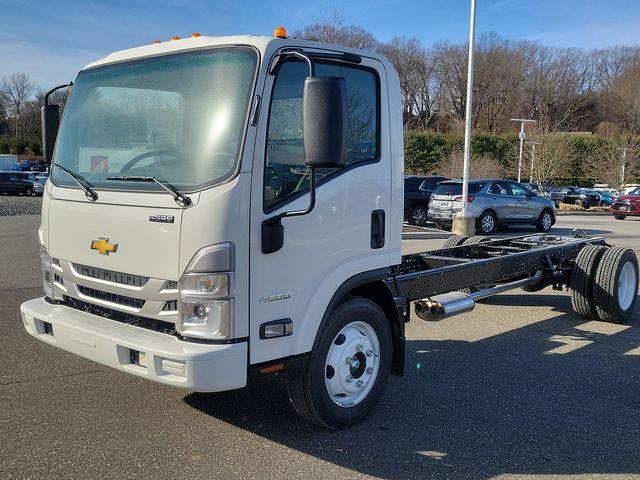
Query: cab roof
[{"x": 265, "y": 44}]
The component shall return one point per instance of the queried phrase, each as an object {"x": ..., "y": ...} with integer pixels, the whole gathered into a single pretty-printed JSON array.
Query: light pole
[
  {"x": 533, "y": 158},
  {"x": 623, "y": 168},
  {"x": 466, "y": 225},
  {"x": 522, "y": 137}
]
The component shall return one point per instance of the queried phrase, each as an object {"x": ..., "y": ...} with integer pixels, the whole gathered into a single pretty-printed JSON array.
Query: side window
[
  {"x": 285, "y": 170},
  {"x": 519, "y": 190},
  {"x": 499, "y": 188}
]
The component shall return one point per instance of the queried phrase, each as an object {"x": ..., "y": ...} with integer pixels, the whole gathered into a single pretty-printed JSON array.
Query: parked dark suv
[
  {"x": 16, "y": 182},
  {"x": 417, "y": 191}
]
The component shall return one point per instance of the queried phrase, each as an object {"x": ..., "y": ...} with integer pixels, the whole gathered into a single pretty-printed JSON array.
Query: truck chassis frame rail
[
  {"x": 423, "y": 275},
  {"x": 603, "y": 280}
]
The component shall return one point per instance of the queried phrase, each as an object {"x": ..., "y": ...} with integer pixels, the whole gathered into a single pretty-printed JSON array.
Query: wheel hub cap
[
  {"x": 627, "y": 286},
  {"x": 352, "y": 364}
]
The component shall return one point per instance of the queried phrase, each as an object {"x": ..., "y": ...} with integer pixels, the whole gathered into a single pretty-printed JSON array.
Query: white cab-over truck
[{"x": 220, "y": 207}]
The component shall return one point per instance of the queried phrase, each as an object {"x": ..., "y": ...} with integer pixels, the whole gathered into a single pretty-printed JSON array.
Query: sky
[{"x": 52, "y": 40}]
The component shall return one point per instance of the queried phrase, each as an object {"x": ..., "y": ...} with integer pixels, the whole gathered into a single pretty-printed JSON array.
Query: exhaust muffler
[{"x": 442, "y": 306}]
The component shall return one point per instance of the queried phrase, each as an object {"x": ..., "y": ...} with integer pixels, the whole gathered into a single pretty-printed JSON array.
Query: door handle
[{"x": 377, "y": 229}]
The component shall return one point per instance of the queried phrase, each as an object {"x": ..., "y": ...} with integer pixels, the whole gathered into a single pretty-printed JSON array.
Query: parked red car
[{"x": 627, "y": 205}]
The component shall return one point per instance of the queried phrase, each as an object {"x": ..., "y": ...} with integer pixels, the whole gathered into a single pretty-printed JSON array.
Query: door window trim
[{"x": 339, "y": 171}]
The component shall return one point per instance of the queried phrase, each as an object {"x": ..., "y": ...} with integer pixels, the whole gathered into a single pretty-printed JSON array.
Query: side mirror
[
  {"x": 325, "y": 123},
  {"x": 50, "y": 117},
  {"x": 532, "y": 194}
]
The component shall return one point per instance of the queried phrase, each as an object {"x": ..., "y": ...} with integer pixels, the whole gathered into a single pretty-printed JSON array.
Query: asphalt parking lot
[{"x": 518, "y": 388}]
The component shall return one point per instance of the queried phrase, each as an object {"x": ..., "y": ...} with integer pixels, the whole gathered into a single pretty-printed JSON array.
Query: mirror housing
[
  {"x": 325, "y": 123},
  {"x": 50, "y": 118}
]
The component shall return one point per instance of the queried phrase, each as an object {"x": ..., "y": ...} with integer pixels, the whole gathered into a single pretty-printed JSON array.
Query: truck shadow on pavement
[{"x": 560, "y": 396}]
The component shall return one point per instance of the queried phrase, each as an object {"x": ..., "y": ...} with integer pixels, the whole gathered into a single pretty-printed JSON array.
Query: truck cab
[{"x": 187, "y": 238}]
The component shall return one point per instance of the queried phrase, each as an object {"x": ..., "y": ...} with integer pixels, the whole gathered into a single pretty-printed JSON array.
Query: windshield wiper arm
[
  {"x": 180, "y": 199},
  {"x": 81, "y": 181}
]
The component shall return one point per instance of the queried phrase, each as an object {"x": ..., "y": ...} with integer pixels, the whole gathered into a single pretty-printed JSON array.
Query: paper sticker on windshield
[{"x": 99, "y": 164}]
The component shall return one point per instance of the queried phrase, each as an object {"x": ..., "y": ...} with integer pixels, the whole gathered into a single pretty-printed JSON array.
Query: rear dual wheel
[
  {"x": 455, "y": 241},
  {"x": 348, "y": 369},
  {"x": 604, "y": 283}
]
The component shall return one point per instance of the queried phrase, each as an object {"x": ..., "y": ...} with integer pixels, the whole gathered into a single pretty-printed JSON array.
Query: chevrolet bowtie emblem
[{"x": 103, "y": 246}]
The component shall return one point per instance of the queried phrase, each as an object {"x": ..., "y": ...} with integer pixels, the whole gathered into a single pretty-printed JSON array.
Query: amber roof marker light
[
  {"x": 195, "y": 35},
  {"x": 280, "y": 32}
]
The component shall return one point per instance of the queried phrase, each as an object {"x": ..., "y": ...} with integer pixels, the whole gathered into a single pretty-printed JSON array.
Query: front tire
[
  {"x": 418, "y": 215},
  {"x": 348, "y": 369},
  {"x": 545, "y": 221},
  {"x": 486, "y": 223},
  {"x": 619, "y": 217}
]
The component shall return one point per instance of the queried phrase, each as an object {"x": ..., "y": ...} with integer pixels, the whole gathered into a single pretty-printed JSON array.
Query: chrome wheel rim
[
  {"x": 352, "y": 364},
  {"x": 419, "y": 216},
  {"x": 546, "y": 221},
  {"x": 488, "y": 224},
  {"x": 627, "y": 286}
]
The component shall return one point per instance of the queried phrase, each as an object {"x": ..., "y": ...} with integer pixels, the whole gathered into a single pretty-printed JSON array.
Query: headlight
[
  {"x": 212, "y": 285},
  {"x": 205, "y": 318},
  {"x": 205, "y": 305},
  {"x": 47, "y": 277}
]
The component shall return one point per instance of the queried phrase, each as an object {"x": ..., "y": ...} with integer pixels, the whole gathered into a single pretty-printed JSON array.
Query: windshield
[{"x": 178, "y": 117}]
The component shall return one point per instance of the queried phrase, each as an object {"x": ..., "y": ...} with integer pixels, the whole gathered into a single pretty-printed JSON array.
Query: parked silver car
[{"x": 493, "y": 203}]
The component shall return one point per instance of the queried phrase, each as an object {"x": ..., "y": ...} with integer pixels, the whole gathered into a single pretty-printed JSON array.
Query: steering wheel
[{"x": 152, "y": 153}]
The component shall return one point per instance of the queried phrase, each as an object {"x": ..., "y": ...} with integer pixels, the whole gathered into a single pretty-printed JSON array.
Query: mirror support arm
[
  {"x": 55, "y": 89},
  {"x": 272, "y": 228}
]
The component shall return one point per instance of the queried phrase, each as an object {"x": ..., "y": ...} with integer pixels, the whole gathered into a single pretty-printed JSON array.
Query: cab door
[{"x": 336, "y": 240}]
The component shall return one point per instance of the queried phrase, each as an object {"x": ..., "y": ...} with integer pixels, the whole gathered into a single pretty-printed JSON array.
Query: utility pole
[
  {"x": 522, "y": 137},
  {"x": 623, "y": 168},
  {"x": 466, "y": 225},
  {"x": 533, "y": 158}
]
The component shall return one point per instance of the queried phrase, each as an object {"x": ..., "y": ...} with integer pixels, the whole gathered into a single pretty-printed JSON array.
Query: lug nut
[
  {"x": 369, "y": 352},
  {"x": 369, "y": 371},
  {"x": 359, "y": 383},
  {"x": 359, "y": 348},
  {"x": 348, "y": 360},
  {"x": 349, "y": 379}
]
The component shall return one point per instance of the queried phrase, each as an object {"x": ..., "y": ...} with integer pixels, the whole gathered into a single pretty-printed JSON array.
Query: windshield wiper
[
  {"x": 180, "y": 199},
  {"x": 81, "y": 181}
]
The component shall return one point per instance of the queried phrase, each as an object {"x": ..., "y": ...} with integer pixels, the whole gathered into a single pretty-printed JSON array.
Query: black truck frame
[{"x": 449, "y": 281}]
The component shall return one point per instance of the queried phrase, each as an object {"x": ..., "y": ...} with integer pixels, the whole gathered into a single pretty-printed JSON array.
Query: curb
[
  {"x": 433, "y": 235},
  {"x": 561, "y": 214}
]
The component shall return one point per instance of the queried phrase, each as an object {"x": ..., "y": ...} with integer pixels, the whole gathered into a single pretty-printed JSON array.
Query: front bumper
[
  {"x": 625, "y": 208},
  {"x": 193, "y": 366}
]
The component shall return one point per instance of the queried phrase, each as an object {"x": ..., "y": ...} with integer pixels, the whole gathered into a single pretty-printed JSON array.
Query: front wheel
[
  {"x": 418, "y": 216},
  {"x": 486, "y": 224},
  {"x": 545, "y": 221},
  {"x": 619, "y": 217},
  {"x": 348, "y": 369}
]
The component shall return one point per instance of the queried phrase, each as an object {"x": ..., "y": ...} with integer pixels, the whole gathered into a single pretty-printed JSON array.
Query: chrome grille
[
  {"x": 170, "y": 306},
  {"x": 111, "y": 276},
  {"x": 111, "y": 297}
]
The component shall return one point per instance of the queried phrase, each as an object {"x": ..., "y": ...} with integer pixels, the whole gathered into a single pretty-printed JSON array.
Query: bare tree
[
  {"x": 554, "y": 158},
  {"x": 482, "y": 166},
  {"x": 15, "y": 90},
  {"x": 607, "y": 165},
  {"x": 416, "y": 70},
  {"x": 332, "y": 30}
]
